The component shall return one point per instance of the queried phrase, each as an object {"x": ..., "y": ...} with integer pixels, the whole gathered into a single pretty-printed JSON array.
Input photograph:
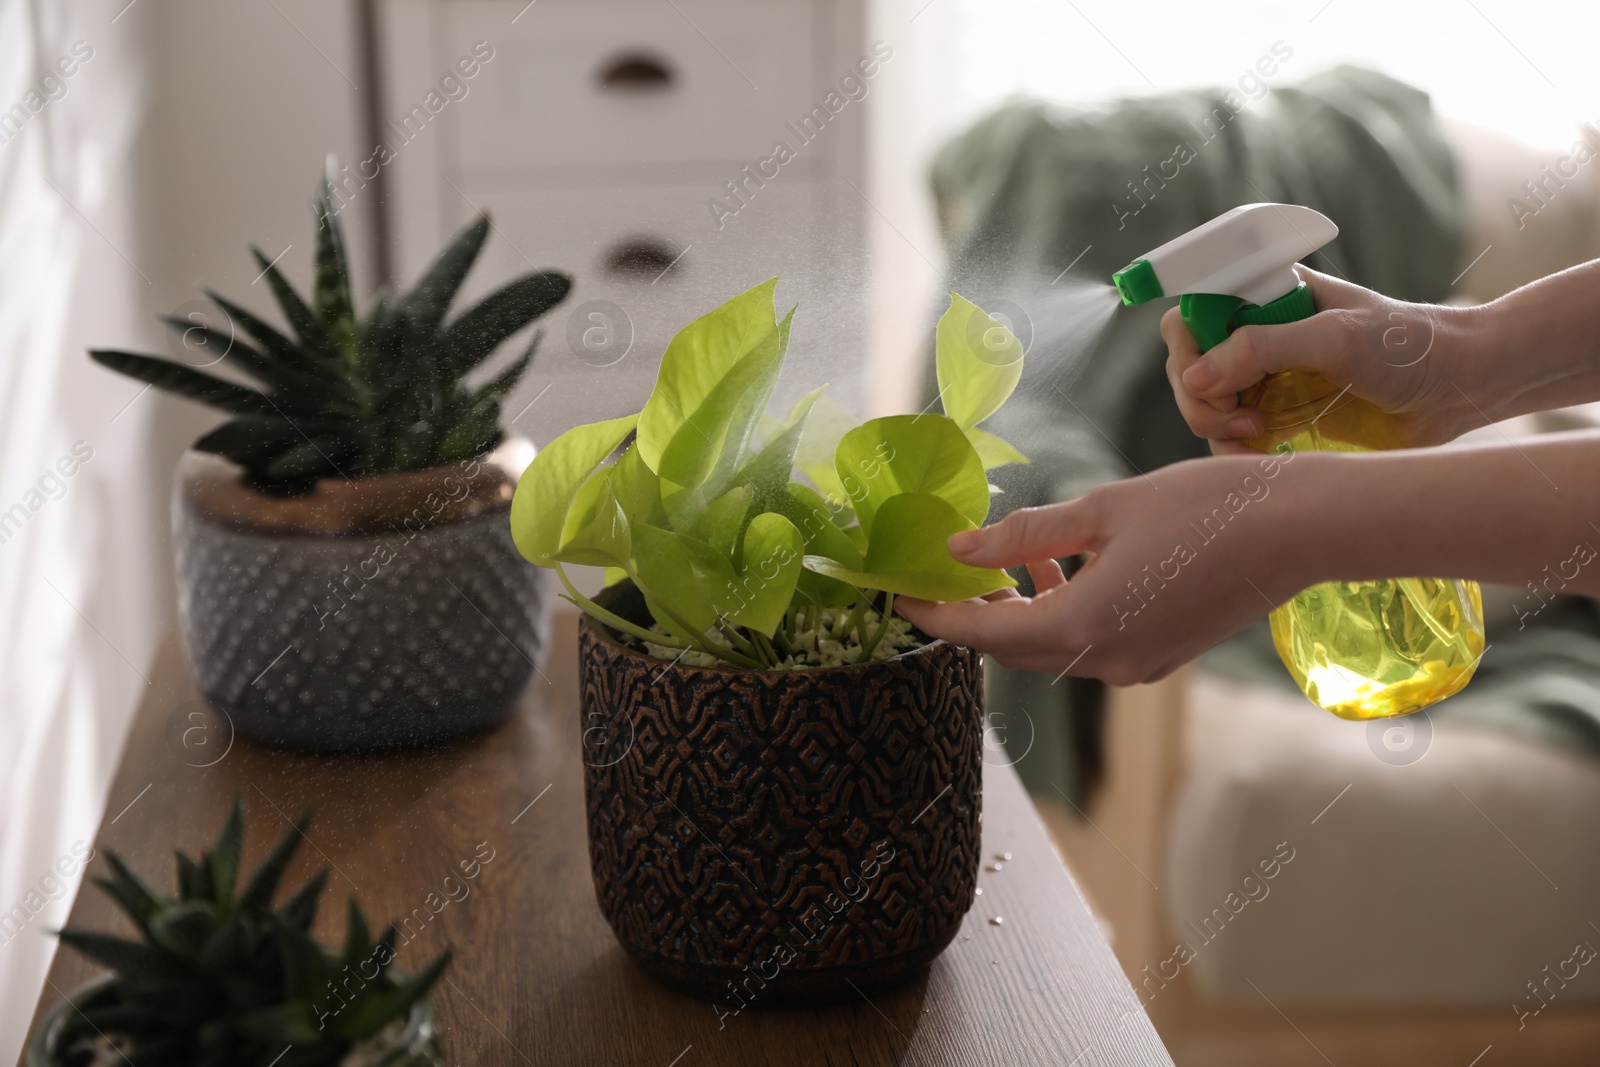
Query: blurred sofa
[{"x": 1432, "y": 888}]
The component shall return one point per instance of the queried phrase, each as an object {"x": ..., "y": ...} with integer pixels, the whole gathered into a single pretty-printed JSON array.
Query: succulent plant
[
  {"x": 221, "y": 978},
  {"x": 347, "y": 396}
]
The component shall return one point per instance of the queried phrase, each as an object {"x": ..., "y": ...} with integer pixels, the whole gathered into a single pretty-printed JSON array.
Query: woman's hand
[
  {"x": 1407, "y": 359},
  {"x": 1182, "y": 558}
]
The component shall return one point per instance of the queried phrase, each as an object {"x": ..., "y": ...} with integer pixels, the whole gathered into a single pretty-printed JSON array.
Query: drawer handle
[
  {"x": 645, "y": 257},
  {"x": 637, "y": 72}
]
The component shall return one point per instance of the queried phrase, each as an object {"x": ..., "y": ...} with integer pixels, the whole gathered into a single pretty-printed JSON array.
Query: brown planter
[
  {"x": 375, "y": 614},
  {"x": 781, "y": 838}
]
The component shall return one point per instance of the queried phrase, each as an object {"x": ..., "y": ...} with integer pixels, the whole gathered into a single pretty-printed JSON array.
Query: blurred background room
[{"x": 1431, "y": 886}]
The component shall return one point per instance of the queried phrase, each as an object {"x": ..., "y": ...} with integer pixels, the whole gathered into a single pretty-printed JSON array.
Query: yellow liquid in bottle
[{"x": 1371, "y": 649}]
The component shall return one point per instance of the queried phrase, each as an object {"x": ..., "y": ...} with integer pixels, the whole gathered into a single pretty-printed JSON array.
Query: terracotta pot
[
  {"x": 411, "y": 1042},
  {"x": 375, "y": 614},
  {"x": 781, "y": 838}
]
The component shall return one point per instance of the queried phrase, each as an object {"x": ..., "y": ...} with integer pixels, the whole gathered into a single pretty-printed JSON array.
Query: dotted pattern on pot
[{"x": 348, "y": 643}]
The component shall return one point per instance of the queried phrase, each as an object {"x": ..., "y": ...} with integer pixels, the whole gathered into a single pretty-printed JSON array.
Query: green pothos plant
[{"x": 768, "y": 543}]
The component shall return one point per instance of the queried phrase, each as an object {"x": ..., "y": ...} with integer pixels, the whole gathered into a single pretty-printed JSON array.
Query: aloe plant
[
  {"x": 346, "y": 396},
  {"x": 738, "y": 559},
  {"x": 221, "y": 978}
]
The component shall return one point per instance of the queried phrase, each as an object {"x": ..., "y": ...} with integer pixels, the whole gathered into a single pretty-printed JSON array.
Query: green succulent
[
  {"x": 221, "y": 978},
  {"x": 347, "y": 396}
]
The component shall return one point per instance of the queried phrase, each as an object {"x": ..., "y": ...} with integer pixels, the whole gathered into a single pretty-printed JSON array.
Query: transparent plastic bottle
[
  {"x": 1370, "y": 649},
  {"x": 1362, "y": 650}
]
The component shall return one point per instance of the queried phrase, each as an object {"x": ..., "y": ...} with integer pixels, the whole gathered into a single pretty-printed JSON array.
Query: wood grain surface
[{"x": 538, "y": 977}]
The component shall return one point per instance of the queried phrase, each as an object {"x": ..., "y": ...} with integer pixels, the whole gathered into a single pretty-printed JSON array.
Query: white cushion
[{"x": 1403, "y": 892}]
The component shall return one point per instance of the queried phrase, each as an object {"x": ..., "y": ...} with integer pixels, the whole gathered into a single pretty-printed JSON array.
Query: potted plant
[
  {"x": 221, "y": 978},
  {"x": 346, "y": 580},
  {"x": 783, "y": 777}
]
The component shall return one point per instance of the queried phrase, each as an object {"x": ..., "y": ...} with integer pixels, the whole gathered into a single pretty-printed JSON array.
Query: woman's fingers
[
  {"x": 1182, "y": 353},
  {"x": 1251, "y": 353},
  {"x": 1215, "y": 418},
  {"x": 1026, "y": 536},
  {"x": 1327, "y": 343},
  {"x": 1218, "y": 418},
  {"x": 1009, "y": 626},
  {"x": 1046, "y": 575}
]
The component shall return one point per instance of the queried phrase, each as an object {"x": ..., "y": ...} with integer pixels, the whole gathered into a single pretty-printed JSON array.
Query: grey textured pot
[
  {"x": 376, "y": 614},
  {"x": 411, "y": 1042}
]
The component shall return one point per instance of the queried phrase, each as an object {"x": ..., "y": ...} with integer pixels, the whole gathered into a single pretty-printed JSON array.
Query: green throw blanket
[{"x": 1034, "y": 189}]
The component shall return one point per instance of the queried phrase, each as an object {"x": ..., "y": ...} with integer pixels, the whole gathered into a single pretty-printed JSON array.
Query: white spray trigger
[{"x": 1248, "y": 252}]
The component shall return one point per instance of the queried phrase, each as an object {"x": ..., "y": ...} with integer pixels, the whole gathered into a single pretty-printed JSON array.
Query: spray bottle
[{"x": 1362, "y": 650}]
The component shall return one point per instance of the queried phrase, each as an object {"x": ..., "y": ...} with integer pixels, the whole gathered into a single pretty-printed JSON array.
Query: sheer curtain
[{"x": 78, "y": 612}]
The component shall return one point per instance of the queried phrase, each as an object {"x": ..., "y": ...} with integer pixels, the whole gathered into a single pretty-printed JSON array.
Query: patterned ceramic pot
[
  {"x": 781, "y": 838},
  {"x": 377, "y": 614}
]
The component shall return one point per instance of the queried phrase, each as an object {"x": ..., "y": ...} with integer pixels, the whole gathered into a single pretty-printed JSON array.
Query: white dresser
[{"x": 599, "y": 134}]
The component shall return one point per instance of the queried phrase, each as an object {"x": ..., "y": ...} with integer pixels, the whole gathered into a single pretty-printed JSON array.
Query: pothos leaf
[
  {"x": 638, "y": 488},
  {"x": 978, "y": 361},
  {"x": 769, "y": 568},
  {"x": 994, "y": 451},
  {"x": 546, "y": 490},
  {"x": 686, "y": 582},
  {"x": 723, "y": 520},
  {"x": 911, "y": 454},
  {"x": 701, "y": 461},
  {"x": 768, "y": 473},
  {"x": 908, "y": 556},
  {"x": 596, "y": 532},
  {"x": 826, "y": 423},
  {"x": 806, "y": 509},
  {"x": 697, "y": 358}
]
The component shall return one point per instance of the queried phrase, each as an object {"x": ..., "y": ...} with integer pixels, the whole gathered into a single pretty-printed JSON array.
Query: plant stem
[
  {"x": 859, "y": 619},
  {"x": 615, "y": 621},
  {"x": 846, "y": 622},
  {"x": 728, "y": 655},
  {"x": 883, "y": 628},
  {"x": 734, "y": 638},
  {"x": 698, "y": 643},
  {"x": 767, "y": 650}
]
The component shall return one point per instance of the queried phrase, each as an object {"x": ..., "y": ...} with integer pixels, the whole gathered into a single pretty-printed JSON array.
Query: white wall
[
  {"x": 243, "y": 110},
  {"x": 199, "y": 126},
  {"x": 915, "y": 106},
  {"x": 1527, "y": 72}
]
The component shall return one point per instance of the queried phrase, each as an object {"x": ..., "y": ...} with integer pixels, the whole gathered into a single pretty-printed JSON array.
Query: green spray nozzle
[
  {"x": 1234, "y": 270},
  {"x": 1137, "y": 282}
]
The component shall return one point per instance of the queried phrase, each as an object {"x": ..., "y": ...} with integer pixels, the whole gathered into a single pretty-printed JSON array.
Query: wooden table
[{"x": 537, "y": 977}]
